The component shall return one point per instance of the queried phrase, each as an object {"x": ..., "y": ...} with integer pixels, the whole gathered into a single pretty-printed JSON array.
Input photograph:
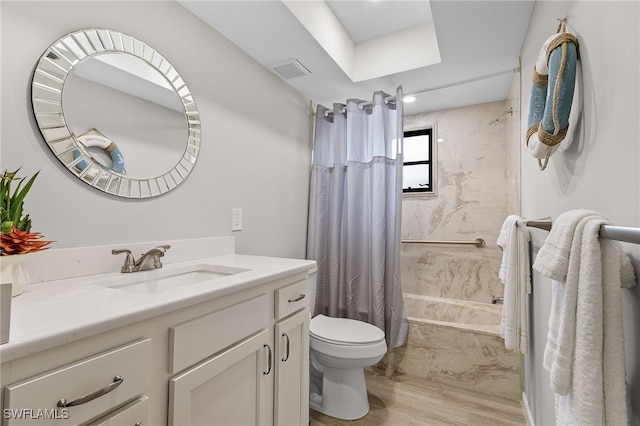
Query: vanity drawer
[
  {"x": 134, "y": 413},
  {"x": 90, "y": 387},
  {"x": 197, "y": 339},
  {"x": 292, "y": 298}
]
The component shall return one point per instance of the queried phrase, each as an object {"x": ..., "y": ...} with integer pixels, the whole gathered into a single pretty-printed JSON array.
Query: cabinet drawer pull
[
  {"x": 117, "y": 381},
  {"x": 269, "y": 370},
  {"x": 297, "y": 299},
  {"x": 286, "y": 357}
]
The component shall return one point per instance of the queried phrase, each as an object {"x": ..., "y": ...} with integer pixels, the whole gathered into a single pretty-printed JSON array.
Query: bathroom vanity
[{"x": 221, "y": 339}]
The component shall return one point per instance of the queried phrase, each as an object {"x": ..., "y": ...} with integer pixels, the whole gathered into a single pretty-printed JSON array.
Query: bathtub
[
  {"x": 457, "y": 343},
  {"x": 459, "y": 314}
]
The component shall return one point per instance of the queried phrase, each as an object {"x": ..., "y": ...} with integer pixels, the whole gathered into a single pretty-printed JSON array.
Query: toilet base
[{"x": 344, "y": 394}]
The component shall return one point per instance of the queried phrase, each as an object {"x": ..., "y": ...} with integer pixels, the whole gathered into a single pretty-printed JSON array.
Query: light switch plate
[{"x": 236, "y": 219}]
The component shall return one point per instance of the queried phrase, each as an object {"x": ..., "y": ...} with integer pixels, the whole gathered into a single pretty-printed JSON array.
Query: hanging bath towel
[
  {"x": 584, "y": 353},
  {"x": 515, "y": 275}
]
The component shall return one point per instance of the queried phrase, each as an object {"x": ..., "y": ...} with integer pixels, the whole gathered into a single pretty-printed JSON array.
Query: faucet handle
[
  {"x": 129, "y": 262},
  {"x": 162, "y": 249}
]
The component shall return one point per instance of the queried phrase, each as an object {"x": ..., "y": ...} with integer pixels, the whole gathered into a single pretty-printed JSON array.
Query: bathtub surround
[
  {"x": 457, "y": 343},
  {"x": 471, "y": 202},
  {"x": 454, "y": 330},
  {"x": 355, "y": 209}
]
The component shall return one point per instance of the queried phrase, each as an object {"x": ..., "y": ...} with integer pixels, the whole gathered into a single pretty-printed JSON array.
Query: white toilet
[{"x": 340, "y": 349}]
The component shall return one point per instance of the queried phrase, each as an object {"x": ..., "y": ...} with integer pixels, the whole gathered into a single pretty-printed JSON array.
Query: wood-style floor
[{"x": 409, "y": 401}]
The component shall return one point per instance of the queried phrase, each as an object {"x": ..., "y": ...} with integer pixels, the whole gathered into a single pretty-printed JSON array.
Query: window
[{"x": 418, "y": 161}]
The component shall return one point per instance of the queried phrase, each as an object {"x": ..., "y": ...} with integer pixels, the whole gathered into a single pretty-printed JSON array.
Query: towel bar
[{"x": 609, "y": 232}]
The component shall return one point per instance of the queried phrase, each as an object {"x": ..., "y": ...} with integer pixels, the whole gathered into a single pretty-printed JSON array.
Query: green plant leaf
[
  {"x": 15, "y": 209},
  {"x": 12, "y": 201}
]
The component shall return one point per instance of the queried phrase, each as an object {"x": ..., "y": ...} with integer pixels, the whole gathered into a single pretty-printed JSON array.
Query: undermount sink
[{"x": 159, "y": 280}]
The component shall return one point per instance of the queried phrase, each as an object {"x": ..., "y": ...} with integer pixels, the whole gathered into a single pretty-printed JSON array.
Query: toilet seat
[{"x": 343, "y": 331}]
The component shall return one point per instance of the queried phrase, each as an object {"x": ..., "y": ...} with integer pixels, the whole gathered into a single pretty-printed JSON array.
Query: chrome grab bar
[{"x": 478, "y": 242}]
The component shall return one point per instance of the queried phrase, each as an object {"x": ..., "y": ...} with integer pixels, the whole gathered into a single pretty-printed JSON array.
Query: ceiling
[{"x": 448, "y": 53}]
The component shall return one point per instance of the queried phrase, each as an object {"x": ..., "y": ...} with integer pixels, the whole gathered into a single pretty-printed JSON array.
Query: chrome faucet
[{"x": 147, "y": 261}]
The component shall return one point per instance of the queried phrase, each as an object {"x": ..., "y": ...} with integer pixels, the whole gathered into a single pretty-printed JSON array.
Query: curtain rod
[
  {"x": 609, "y": 232},
  {"x": 361, "y": 105}
]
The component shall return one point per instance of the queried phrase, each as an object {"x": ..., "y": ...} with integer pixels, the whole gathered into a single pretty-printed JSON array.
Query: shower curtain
[{"x": 355, "y": 213}]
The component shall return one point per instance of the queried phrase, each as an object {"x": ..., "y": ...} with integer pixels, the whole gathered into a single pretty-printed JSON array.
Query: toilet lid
[{"x": 344, "y": 331}]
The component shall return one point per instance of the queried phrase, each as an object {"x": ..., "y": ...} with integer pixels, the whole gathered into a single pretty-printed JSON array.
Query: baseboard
[{"x": 526, "y": 410}]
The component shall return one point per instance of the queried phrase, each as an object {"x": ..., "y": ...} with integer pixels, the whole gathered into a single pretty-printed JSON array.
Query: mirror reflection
[
  {"x": 129, "y": 103},
  {"x": 116, "y": 113}
]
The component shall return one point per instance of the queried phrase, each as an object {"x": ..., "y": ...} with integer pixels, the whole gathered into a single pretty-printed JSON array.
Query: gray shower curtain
[{"x": 355, "y": 213}]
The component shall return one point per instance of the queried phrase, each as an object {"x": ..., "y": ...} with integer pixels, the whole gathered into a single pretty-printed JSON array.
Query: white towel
[
  {"x": 585, "y": 351},
  {"x": 515, "y": 275}
]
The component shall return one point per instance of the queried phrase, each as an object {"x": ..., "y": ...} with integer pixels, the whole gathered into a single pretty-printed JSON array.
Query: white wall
[
  {"x": 256, "y": 139},
  {"x": 599, "y": 170}
]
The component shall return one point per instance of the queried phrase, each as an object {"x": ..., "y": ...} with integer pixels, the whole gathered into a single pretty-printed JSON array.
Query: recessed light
[{"x": 408, "y": 99}]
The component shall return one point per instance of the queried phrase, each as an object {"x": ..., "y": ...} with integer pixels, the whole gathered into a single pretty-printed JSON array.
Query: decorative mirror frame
[{"x": 48, "y": 81}]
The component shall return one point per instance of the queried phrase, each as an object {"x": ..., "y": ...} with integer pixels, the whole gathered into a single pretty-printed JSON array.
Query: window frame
[{"x": 431, "y": 189}]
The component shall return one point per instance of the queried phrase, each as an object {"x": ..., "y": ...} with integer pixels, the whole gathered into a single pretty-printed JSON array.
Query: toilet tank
[{"x": 312, "y": 291}]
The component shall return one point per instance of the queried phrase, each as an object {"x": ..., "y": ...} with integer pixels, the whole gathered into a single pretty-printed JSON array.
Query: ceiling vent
[{"x": 291, "y": 68}]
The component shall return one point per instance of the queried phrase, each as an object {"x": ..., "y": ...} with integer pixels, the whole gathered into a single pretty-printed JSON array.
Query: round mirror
[{"x": 116, "y": 113}]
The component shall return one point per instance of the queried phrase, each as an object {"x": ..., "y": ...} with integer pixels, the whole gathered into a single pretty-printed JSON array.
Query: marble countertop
[{"x": 56, "y": 312}]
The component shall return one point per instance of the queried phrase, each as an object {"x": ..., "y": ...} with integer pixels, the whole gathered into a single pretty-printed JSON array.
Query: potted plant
[{"x": 16, "y": 237}]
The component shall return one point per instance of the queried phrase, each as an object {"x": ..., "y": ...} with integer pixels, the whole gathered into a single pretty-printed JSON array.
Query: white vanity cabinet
[
  {"x": 239, "y": 357},
  {"x": 258, "y": 373}
]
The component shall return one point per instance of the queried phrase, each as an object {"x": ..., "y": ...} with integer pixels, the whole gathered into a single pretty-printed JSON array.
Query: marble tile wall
[
  {"x": 473, "y": 187},
  {"x": 470, "y": 360}
]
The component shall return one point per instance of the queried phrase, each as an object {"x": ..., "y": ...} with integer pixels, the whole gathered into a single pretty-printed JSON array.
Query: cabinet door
[
  {"x": 234, "y": 387},
  {"x": 292, "y": 370}
]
